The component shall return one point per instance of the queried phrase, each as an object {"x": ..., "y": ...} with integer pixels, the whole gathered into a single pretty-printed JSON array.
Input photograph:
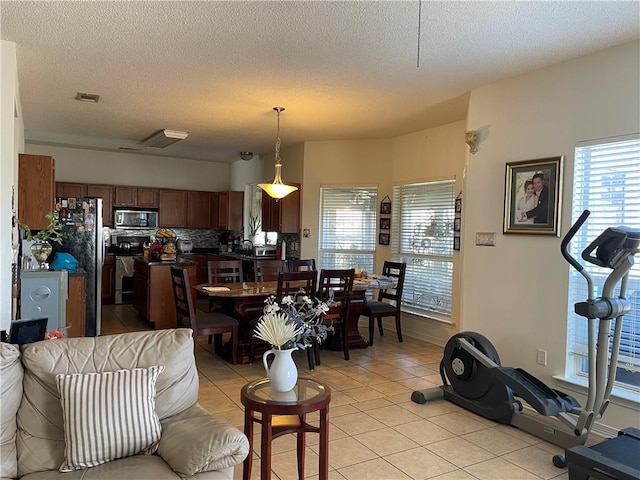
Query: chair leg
[
  {"x": 380, "y": 326},
  {"x": 310, "y": 356},
  {"x": 234, "y": 345},
  {"x": 398, "y": 327},
  {"x": 210, "y": 339},
  {"x": 345, "y": 343},
  {"x": 371, "y": 327},
  {"x": 252, "y": 349}
]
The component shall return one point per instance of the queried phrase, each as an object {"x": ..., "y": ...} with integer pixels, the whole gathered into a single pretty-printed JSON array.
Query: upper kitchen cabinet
[
  {"x": 36, "y": 174},
  {"x": 198, "y": 209},
  {"x": 126, "y": 196},
  {"x": 71, "y": 190},
  {"x": 172, "y": 208},
  {"x": 214, "y": 215},
  {"x": 230, "y": 208},
  {"x": 106, "y": 193},
  {"x": 283, "y": 215},
  {"x": 79, "y": 190}
]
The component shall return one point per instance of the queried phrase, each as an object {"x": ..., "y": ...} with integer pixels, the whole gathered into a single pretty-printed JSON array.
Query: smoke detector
[
  {"x": 246, "y": 155},
  {"x": 164, "y": 138}
]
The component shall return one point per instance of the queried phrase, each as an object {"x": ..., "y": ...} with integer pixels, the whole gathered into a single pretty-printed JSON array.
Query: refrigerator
[{"x": 82, "y": 219}]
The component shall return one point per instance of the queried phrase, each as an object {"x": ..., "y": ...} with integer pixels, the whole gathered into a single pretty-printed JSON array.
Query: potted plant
[
  {"x": 41, "y": 247},
  {"x": 254, "y": 226}
]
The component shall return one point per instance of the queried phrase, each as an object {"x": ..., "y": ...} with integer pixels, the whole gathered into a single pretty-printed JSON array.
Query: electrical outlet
[{"x": 542, "y": 358}]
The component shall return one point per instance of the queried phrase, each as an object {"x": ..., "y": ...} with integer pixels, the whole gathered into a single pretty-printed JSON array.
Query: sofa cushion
[
  {"x": 108, "y": 415},
  {"x": 40, "y": 439},
  {"x": 193, "y": 441},
  {"x": 11, "y": 374}
]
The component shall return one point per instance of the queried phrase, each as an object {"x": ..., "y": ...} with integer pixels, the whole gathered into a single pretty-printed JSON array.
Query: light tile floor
[{"x": 376, "y": 432}]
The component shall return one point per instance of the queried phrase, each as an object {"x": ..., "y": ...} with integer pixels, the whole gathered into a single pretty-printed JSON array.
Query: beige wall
[
  {"x": 93, "y": 166},
  {"x": 434, "y": 154},
  {"x": 516, "y": 292},
  {"x": 11, "y": 143}
]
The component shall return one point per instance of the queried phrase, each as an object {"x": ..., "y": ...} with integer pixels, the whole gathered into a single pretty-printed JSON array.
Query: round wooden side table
[{"x": 282, "y": 413}]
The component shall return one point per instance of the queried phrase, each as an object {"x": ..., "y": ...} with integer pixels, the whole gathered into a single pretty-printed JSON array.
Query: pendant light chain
[
  {"x": 419, "y": 25},
  {"x": 278, "y": 110}
]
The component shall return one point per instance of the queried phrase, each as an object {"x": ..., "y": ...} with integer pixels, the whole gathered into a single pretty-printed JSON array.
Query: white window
[
  {"x": 347, "y": 228},
  {"x": 422, "y": 237},
  {"x": 607, "y": 182}
]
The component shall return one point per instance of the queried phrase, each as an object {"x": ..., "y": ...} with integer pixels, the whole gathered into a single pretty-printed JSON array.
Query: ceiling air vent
[
  {"x": 164, "y": 138},
  {"x": 87, "y": 97}
]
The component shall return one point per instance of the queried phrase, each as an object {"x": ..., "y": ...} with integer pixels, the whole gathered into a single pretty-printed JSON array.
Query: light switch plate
[{"x": 486, "y": 238}]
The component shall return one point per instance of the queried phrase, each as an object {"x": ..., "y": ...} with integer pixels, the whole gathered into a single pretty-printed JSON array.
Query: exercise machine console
[{"x": 473, "y": 378}]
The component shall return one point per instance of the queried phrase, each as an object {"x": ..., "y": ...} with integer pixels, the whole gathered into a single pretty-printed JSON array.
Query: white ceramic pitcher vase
[{"x": 283, "y": 373}]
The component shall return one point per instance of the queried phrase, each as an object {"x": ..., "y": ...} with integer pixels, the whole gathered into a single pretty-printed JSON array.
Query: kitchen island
[{"x": 153, "y": 292}]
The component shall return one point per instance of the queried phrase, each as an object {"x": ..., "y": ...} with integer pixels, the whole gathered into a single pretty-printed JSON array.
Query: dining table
[{"x": 245, "y": 302}]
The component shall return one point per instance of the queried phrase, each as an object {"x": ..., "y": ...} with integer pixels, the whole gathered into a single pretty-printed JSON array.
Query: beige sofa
[{"x": 193, "y": 444}]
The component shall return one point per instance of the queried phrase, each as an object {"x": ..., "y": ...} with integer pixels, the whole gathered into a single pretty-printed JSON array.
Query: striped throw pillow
[{"x": 108, "y": 415}]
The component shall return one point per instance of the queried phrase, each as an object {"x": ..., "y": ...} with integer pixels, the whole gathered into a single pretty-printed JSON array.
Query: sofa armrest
[{"x": 194, "y": 441}]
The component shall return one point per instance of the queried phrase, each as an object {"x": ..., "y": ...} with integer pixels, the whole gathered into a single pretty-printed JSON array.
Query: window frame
[{"x": 442, "y": 255}]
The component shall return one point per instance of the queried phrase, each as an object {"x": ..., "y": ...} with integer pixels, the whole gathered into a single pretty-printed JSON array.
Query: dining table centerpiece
[{"x": 295, "y": 323}]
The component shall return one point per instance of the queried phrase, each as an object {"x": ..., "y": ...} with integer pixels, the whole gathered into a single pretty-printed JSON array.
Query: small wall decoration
[
  {"x": 458, "y": 204},
  {"x": 456, "y": 224},
  {"x": 533, "y": 197},
  {"x": 385, "y": 206},
  {"x": 385, "y": 223},
  {"x": 456, "y": 243},
  {"x": 383, "y": 239}
]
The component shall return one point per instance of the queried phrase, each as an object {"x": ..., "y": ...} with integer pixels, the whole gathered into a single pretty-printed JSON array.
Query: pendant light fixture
[{"x": 277, "y": 189}]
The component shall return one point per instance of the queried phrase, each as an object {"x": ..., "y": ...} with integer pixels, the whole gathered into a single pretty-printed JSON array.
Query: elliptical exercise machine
[{"x": 474, "y": 379}]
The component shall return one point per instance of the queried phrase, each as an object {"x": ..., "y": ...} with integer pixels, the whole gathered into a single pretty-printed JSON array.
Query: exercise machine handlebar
[{"x": 564, "y": 246}]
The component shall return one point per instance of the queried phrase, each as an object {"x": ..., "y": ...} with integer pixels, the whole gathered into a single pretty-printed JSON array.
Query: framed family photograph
[
  {"x": 456, "y": 224},
  {"x": 383, "y": 239},
  {"x": 385, "y": 223},
  {"x": 533, "y": 197}
]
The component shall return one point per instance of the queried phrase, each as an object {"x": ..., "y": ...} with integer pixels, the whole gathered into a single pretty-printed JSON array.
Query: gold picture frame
[{"x": 533, "y": 197}]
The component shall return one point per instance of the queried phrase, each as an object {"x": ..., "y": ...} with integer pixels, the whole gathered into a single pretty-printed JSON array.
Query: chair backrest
[
  {"x": 302, "y": 265},
  {"x": 182, "y": 296},
  {"x": 394, "y": 270},
  {"x": 290, "y": 283},
  {"x": 267, "y": 270},
  {"x": 225, "y": 271},
  {"x": 336, "y": 285}
]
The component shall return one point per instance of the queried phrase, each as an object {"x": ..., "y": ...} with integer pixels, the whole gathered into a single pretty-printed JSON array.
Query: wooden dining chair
[
  {"x": 336, "y": 287},
  {"x": 267, "y": 270},
  {"x": 393, "y": 296},
  {"x": 300, "y": 265},
  {"x": 211, "y": 323},
  {"x": 290, "y": 283},
  {"x": 223, "y": 271}
]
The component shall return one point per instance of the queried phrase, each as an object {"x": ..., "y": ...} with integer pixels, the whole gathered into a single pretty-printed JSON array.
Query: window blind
[
  {"x": 607, "y": 182},
  {"x": 422, "y": 237},
  {"x": 347, "y": 233}
]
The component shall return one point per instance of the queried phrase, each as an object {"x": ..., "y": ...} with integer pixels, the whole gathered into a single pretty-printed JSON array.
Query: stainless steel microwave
[{"x": 132, "y": 219}]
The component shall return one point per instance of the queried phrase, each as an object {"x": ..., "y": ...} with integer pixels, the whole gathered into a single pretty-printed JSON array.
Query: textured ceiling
[{"x": 343, "y": 70}]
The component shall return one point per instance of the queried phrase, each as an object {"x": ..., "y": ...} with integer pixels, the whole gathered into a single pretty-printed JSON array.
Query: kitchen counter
[{"x": 182, "y": 262}]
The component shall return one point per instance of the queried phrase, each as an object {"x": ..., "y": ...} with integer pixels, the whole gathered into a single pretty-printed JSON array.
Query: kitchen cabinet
[
  {"x": 108, "y": 279},
  {"x": 230, "y": 208},
  {"x": 283, "y": 215},
  {"x": 76, "y": 306},
  {"x": 36, "y": 174},
  {"x": 79, "y": 190},
  {"x": 147, "y": 197},
  {"x": 173, "y": 208},
  {"x": 73, "y": 190},
  {"x": 202, "y": 268},
  {"x": 198, "y": 209},
  {"x": 106, "y": 193},
  {"x": 214, "y": 215},
  {"x": 126, "y": 196},
  {"x": 153, "y": 297}
]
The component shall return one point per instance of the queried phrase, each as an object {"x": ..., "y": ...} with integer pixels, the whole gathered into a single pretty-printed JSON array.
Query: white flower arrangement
[{"x": 295, "y": 324}]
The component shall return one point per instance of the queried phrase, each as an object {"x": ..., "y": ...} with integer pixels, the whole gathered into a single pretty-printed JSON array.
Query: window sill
[
  {"x": 619, "y": 396},
  {"x": 426, "y": 316}
]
